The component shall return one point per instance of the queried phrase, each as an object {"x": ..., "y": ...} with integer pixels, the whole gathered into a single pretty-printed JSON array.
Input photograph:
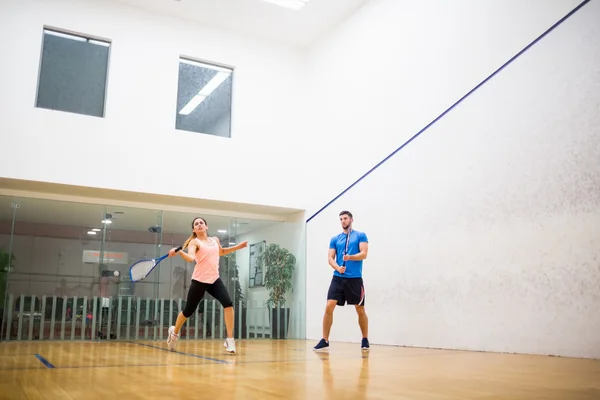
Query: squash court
[
  {"x": 463, "y": 136},
  {"x": 283, "y": 369}
]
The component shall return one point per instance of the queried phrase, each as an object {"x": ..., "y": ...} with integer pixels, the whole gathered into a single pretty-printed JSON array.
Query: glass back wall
[{"x": 64, "y": 274}]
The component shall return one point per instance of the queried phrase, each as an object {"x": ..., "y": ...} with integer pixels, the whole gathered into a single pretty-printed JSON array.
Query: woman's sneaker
[
  {"x": 172, "y": 338},
  {"x": 229, "y": 345}
]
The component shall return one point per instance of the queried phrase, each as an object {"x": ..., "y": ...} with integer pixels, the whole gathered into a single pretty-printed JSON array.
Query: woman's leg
[
  {"x": 181, "y": 318},
  {"x": 195, "y": 294},
  {"x": 229, "y": 320},
  {"x": 219, "y": 292}
]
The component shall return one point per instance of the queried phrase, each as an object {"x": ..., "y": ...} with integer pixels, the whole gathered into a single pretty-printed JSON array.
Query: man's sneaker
[
  {"x": 365, "y": 344},
  {"x": 323, "y": 344},
  {"x": 172, "y": 338},
  {"x": 229, "y": 345}
]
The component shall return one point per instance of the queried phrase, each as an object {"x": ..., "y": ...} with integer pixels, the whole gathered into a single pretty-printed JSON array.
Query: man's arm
[
  {"x": 364, "y": 250},
  {"x": 332, "y": 260}
]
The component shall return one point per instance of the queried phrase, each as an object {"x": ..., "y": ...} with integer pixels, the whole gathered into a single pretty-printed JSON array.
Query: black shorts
[
  {"x": 196, "y": 293},
  {"x": 347, "y": 290}
]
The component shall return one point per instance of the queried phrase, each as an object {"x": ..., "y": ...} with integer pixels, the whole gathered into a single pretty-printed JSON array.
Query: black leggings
[{"x": 196, "y": 293}]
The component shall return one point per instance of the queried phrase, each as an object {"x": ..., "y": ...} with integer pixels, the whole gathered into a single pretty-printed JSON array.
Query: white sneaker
[
  {"x": 229, "y": 345},
  {"x": 172, "y": 338}
]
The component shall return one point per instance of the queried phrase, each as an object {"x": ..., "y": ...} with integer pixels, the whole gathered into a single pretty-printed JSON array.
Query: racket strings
[{"x": 141, "y": 269}]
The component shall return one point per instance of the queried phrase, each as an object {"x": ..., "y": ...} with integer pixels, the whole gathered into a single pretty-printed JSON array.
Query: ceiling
[
  {"x": 90, "y": 216},
  {"x": 258, "y": 18}
]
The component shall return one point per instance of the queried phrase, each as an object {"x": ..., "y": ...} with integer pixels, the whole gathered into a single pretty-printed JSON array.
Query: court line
[
  {"x": 47, "y": 363},
  {"x": 182, "y": 353},
  {"x": 520, "y": 53}
]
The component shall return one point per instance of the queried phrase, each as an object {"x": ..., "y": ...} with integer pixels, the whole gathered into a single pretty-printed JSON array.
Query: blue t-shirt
[{"x": 353, "y": 268}]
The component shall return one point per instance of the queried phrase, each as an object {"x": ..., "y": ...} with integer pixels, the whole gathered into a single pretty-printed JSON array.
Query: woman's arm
[
  {"x": 191, "y": 251},
  {"x": 226, "y": 250}
]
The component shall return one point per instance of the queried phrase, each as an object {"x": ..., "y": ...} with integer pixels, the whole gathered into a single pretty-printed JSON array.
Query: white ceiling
[{"x": 258, "y": 18}]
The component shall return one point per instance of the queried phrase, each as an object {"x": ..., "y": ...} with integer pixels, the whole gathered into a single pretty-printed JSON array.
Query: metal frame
[{"x": 119, "y": 327}]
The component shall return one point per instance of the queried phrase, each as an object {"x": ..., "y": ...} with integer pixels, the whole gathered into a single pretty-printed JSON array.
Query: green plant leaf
[{"x": 279, "y": 263}]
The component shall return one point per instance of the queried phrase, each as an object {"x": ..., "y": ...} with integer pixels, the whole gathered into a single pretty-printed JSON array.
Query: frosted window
[
  {"x": 204, "y": 98},
  {"x": 73, "y": 73}
]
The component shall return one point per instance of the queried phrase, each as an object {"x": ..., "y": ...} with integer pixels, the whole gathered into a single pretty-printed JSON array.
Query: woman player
[{"x": 205, "y": 251}]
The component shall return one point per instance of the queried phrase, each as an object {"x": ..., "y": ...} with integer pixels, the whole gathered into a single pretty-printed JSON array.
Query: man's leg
[
  {"x": 328, "y": 318},
  {"x": 355, "y": 293},
  {"x": 363, "y": 321},
  {"x": 335, "y": 296}
]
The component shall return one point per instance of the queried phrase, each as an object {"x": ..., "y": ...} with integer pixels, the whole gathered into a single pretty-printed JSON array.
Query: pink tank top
[{"x": 207, "y": 262}]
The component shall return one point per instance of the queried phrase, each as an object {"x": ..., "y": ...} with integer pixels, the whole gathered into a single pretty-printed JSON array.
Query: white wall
[
  {"x": 293, "y": 113},
  {"x": 118, "y": 151},
  {"x": 393, "y": 67},
  {"x": 487, "y": 236}
]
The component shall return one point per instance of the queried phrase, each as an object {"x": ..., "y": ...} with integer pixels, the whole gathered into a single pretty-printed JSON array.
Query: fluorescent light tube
[
  {"x": 214, "y": 83},
  {"x": 99, "y": 43},
  {"x": 192, "y": 104},
  {"x": 203, "y": 65},
  {"x": 291, "y": 4},
  {"x": 206, "y": 91},
  {"x": 65, "y": 35}
]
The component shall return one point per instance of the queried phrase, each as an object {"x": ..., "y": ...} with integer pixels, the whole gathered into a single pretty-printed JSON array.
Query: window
[
  {"x": 73, "y": 73},
  {"x": 204, "y": 98}
]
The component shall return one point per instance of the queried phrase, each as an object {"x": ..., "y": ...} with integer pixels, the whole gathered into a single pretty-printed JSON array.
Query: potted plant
[
  {"x": 279, "y": 264},
  {"x": 7, "y": 263}
]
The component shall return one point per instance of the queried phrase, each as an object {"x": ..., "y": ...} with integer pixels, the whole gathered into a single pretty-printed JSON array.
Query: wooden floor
[{"x": 266, "y": 369}]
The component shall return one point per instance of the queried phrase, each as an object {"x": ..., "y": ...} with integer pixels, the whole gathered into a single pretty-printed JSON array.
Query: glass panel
[
  {"x": 272, "y": 270},
  {"x": 73, "y": 73},
  {"x": 53, "y": 243},
  {"x": 8, "y": 211},
  {"x": 204, "y": 98},
  {"x": 70, "y": 277},
  {"x": 129, "y": 235}
]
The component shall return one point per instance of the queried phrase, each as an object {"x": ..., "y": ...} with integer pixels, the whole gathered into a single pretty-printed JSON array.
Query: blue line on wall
[{"x": 563, "y": 19}]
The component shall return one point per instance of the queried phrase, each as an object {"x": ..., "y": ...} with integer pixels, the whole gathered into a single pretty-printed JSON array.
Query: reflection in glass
[{"x": 70, "y": 280}]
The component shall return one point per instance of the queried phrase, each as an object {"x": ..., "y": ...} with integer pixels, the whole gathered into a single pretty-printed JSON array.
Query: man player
[{"x": 346, "y": 254}]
